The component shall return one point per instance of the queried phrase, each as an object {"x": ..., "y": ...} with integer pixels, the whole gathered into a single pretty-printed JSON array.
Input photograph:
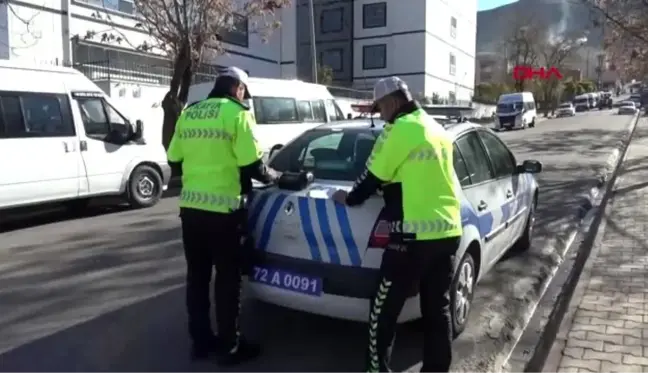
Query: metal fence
[{"x": 141, "y": 73}]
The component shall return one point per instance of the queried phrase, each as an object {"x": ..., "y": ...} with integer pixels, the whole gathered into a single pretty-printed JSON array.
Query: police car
[{"x": 321, "y": 257}]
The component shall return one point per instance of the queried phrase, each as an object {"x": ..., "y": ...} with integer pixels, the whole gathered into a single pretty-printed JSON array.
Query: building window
[
  {"x": 239, "y": 34},
  {"x": 123, "y": 6},
  {"x": 374, "y": 57},
  {"x": 331, "y": 20},
  {"x": 374, "y": 15},
  {"x": 453, "y": 27},
  {"x": 453, "y": 64},
  {"x": 332, "y": 58}
]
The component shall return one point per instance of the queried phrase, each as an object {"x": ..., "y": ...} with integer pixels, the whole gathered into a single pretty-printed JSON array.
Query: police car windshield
[{"x": 328, "y": 154}]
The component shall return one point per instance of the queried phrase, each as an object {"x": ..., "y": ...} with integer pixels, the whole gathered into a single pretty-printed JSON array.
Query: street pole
[{"x": 311, "y": 7}]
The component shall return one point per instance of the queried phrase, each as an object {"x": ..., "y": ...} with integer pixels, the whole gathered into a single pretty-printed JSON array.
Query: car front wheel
[{"x": 461, "y": 293}]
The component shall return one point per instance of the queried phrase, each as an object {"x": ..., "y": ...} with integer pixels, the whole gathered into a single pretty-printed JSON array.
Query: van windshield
[{"x": 510, "y": 107}]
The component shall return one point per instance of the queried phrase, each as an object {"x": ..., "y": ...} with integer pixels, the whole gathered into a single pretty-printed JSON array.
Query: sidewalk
[{"x": 607, "y": 327}]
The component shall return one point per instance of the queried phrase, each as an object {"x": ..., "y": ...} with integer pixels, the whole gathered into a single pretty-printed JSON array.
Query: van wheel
[
  {"x": 461, "y": 293},
  {"x": 532, "y": 124},
  {"x": 144, "y": 187}
]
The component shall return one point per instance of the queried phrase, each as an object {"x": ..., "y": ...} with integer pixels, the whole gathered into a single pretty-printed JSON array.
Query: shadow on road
[{"x": 28, "y": 217}]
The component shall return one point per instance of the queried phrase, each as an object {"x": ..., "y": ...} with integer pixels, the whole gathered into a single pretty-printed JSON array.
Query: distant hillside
[{"x": 494, "y": 26}]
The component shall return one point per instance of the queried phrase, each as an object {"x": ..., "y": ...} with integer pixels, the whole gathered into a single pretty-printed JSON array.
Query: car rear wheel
[
  {"x": 532, "y": 124},
  {"x": 461, "y": 293},
  {"x": 144, "y": 187}
]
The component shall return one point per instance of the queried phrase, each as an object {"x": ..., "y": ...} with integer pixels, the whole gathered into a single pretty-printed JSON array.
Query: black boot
[
  {"x": 204, "y": 350},
  {"x": 246, "y": 351}
]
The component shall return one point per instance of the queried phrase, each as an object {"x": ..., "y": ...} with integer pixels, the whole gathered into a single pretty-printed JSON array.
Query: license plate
[{"x": 287, "y": 280}]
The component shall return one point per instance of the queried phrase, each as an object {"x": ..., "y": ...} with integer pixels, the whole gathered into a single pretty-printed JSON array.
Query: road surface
[{"x": 73, "y": 292}]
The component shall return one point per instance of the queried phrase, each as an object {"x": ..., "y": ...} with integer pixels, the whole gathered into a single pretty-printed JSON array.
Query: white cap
[
  {"x": 238, "y": 74},
  {"x": 386, "y": 86}
]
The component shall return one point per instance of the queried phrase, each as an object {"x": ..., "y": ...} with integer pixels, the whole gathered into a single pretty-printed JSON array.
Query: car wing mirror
[
  {"x": 530, "y": 167},
  {"x": 275, "y": 148}
]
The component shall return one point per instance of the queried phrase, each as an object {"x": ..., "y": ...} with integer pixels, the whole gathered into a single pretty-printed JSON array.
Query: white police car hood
[{"x": 308, "y": 224}]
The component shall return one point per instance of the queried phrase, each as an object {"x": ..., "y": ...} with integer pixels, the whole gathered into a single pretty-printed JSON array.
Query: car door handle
[
  {"x": 67, "y": 147},
  {"x": 482, "y": 206},
  {"x": 509, "y": 194}
]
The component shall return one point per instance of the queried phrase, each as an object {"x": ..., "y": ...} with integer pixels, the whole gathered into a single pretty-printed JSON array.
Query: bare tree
[
  {"x": 26, "y": 21},
  {"x": 626, "y": 33},
  {"x": 520, "y": 48},
  {"x": 554, "y": 52},
  {"x": 187, "y": 30}
]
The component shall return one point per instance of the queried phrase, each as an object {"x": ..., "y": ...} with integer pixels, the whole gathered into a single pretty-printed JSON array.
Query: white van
[
  {"x": 582, "y": 102},
  {"x": 284, "y": 109},
  {"x": 61, "y": 139},
  {"x": 516, "y": 110}
]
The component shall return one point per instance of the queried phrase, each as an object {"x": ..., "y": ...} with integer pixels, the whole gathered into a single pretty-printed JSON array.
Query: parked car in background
[
  {"x": 636, "y": 98},
  {"x": 628, "y": 107},
  {"x": 566, "y": 110},
  {"x": 582, "y": 103},
  {"x": 605, "y": 101}
]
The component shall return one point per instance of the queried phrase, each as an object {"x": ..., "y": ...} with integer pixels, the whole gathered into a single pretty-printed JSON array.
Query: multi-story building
[
  {"x": 430, "y": 44},
  {"x": 54, "y": 31}
]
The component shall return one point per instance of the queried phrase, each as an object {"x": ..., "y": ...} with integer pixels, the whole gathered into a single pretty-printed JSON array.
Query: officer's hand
[{"x": 340, "y": 196}]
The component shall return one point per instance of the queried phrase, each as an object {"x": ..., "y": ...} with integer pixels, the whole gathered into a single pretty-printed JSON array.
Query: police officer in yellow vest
[
  {"x": 412, "y": 162},
  {"x": 215, "y": 144}
]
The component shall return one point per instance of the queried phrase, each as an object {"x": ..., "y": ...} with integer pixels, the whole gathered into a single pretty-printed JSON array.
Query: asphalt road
[{"x": 75, "y": 293}]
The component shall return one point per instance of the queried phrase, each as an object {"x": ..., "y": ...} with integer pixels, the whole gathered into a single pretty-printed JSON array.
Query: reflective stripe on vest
[
  {"x": 210, "y": 199},
  {"x": 422, "y": 226},
  {"x": 426, "y": 155},
  {"x": 204, "y": 133}
]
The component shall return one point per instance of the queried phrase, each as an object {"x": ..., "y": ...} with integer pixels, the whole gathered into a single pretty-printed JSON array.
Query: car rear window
[
  {"x": 565, "y": 106},
  {"x": 328, "y": 154}
]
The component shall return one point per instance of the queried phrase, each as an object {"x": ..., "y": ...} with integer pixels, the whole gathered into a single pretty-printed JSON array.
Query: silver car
[
  {"x": 566, "y": 110},
  {"x": 628, "y": 107}
]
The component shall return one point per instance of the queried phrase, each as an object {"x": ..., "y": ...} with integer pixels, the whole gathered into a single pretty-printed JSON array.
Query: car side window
[
  {"x": 501, "y": 158},
  {"x": 475, "y": 158},
  {"x": 36, "y": 115},
  {"x": 461, "y": 169}
]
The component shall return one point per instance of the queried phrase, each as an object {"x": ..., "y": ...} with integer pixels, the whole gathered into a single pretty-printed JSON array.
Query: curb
[{"x": 535, "y": 344}]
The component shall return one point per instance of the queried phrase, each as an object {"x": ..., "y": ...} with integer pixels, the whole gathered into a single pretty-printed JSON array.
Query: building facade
[
  {"x": 55, "y": 31},
  {"x": 430, "y": 44}
]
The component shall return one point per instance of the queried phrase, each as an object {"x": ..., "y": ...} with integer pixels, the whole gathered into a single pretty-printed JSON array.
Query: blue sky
[{"x": 490, "y": 4}]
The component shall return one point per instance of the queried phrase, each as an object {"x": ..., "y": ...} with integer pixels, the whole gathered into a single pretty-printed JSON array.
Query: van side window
[
  {"x": 99, "y": 118},
  {"x": 11, "y": 120},
  {"x": 275, "y": 110},
  {"x": 333, "y": 110},
  {"x": 36, "y": 115},
  {"x": 319, "y": 111},
  {"x": 305, "y": 111}
]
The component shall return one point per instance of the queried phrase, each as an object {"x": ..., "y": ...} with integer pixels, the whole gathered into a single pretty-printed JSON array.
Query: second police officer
[
  {"x": 219, "y": 155},
  {"x": 412, "y": 162}
]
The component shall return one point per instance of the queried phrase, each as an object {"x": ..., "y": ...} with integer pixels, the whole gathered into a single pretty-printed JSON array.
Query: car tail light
[{"x": 380, "y": 233}]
